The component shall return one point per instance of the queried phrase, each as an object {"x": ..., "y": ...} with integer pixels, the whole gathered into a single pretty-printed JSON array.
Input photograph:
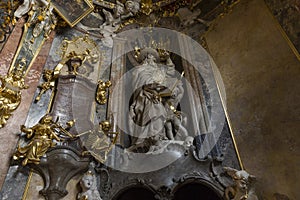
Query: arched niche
[
  {"x": 135, "y": 193},
  {"x": 196, "y": 190}
]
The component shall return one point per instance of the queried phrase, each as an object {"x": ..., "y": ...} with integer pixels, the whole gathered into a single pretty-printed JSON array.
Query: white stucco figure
[{"x": 88, "y": 184}]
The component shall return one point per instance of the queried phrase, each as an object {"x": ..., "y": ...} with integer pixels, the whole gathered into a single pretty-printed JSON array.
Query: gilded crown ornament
[{"x": 157, "y": 49}]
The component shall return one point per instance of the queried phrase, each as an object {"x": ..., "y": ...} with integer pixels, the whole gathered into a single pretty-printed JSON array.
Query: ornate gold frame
[
  {"x": 20, "y": 46},
  {"x": 88, "y": 8}
]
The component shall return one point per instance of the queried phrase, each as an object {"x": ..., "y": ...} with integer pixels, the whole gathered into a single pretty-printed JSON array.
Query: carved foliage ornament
[{"x": 242, "y": 189}]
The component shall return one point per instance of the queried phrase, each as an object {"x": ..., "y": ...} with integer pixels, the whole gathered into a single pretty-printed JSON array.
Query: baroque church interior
[{"x": 149, "y": 99}]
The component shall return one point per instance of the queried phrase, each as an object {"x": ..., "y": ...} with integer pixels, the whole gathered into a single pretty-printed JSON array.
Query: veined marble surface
[{"x": 287, "y": 12}]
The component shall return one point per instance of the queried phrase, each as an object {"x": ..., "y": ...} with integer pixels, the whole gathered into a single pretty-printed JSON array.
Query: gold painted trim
[
  {"x": 27, "y": 185},
  {"x": 53, "y": 93},
  {"x": 19, "y": 48},
  {"x": 227, "y": 117},
  {"x": 88, "y": 11},
  {"x": 34, "y": 56},
  {"x": 283, "y": 33}
]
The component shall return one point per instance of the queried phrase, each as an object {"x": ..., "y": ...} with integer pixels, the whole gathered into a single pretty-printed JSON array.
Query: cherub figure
[
  {"x": 48, "y": 84},
  {"x": 131, "y": 9},
  {"x": 188, "y": 142},
  {"x": 88, "y": 184},
  {"x": 4, "y": 112},
  {"x": 242, "y": 188},
  {"x": 101, "y": 91},
  {"x": 121, "y": 12}
]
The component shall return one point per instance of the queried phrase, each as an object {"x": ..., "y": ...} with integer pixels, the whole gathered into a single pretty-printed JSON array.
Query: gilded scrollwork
[
  {"x": 10, "y": 92},
  {"x": 79, "y": 54}
]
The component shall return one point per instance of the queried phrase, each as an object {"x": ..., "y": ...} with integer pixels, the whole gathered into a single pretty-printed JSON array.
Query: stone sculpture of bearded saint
[{"x": 154, "y": 100}]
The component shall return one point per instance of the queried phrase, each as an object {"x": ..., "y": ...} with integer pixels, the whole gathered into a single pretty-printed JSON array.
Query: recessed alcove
[
  {"x": 135, "y": 193},
  {"x": 195, "y": 191}
]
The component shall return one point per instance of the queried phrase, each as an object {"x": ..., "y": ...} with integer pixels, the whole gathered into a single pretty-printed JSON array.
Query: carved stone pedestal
[{"x": 58, "y": 166}]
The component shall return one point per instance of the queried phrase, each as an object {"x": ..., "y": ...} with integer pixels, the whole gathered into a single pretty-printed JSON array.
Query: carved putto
[
  {"x": 49, "y": 83},
  {"x": 88, "y": 184}
]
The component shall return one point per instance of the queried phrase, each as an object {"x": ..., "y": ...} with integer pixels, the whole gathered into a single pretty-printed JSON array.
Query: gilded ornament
[
  {"x": 42, "y": 137},
  {"x": 147, "y": 7},
  {"x": 49, "y": 83},
  {"x": 40, "y": 22},
  {"x": 99, "y": 142},
  {"x": 10, "y": 92},
  {"x": 101, "y": 94}
]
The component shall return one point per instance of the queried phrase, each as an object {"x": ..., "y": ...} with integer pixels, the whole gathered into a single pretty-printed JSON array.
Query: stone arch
[
  {"x": 135, "y": 192},
  {"x": 196, "y": 190}
]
